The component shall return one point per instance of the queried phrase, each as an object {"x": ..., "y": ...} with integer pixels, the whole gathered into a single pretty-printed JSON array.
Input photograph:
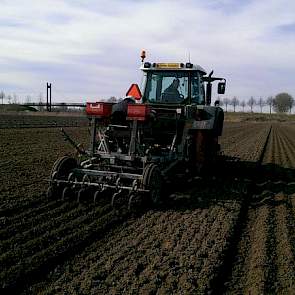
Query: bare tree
[
  {"x": 2, "y": 96},
  {"x": 28, "y": 99},
  {"x": 14, "y": 100},
  {"x": 40, "y": 98},
  {"x": 243, "y": 104},
  {"x": 112, "y": 99},
  {"x": 64, "y": 107},
  {"x": 261, "y": 103},
  {"x": 226, "y": 102},
  {"x": 9, "y": 98},
  {"x": 251, "y": 103},
  {"x": 234, "y": 102},
  {"x": 269, "y": 102}
]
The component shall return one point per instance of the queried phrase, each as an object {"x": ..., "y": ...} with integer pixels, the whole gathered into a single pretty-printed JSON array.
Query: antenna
[{"x": 189, "y": 57}]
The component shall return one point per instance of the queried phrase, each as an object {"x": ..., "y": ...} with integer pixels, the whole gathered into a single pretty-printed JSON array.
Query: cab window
[
  {"x": 197, "y": 89},
  {"x": 166, "y": 87}
]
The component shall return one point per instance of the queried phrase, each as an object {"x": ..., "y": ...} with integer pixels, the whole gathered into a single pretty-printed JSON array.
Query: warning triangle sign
[{"x": 134, "y": 91}]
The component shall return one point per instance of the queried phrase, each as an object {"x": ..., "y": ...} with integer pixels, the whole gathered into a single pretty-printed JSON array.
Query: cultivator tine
[
  {"x": 86, "y": 180},
  {"x": 118, "y": 195},
  {"x": 50, "y": 193},
  {"x": 130, "y": 201},
  {"x": 133, "y": 201},
  {"x": 118, "y": 182},
  {"x": 71, "y": 177},
  {"x": 66, "y": 193},
  {"x": 85, "y": 185},
  {"x": 81, "y": 193},
  {"x": 117, "y": 199},
  {"x": 133, "y": 196},
  {"x": 72, "y": 180},
  {"x": 98, "y": 193}
]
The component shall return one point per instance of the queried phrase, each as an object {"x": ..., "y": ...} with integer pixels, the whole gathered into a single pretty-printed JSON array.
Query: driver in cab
[{"x": 171, "y": 93}]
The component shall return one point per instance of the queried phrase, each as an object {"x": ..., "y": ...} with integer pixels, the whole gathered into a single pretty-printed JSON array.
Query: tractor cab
[
  {"x": 173, "y": 83},
  {"x": 177, "y": 95},
  {"x": 178, "y": 84}
]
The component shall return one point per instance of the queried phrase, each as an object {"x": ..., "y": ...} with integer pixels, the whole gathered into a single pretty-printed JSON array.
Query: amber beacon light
[{"x": 142, "y": 55}]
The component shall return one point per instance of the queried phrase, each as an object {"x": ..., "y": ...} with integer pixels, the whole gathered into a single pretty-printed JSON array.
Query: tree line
[
  {"x": 281, "y": 103},
  {"x": 15, "y": 99}
]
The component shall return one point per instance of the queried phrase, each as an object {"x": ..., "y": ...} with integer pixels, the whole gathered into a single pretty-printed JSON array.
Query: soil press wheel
[
  {"x": 60, "y": 170},
  {"x": 152, "y": 181}
]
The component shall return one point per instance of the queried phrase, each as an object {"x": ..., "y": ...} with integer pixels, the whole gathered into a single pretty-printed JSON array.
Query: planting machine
[{"x": 165, "y": 128}]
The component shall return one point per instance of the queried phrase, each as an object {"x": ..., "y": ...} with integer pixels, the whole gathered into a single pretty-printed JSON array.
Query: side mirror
[
  {"x": 216, "y": 103},
  {"x": 134, "y": 92},
  {"x": 221, "y": 88}
]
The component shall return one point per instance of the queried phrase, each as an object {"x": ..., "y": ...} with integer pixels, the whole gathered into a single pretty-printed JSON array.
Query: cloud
[{"x": 91, "y": 48}]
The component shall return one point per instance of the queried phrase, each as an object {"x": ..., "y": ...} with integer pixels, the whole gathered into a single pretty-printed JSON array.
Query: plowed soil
[{"x": 229, "y": 234}]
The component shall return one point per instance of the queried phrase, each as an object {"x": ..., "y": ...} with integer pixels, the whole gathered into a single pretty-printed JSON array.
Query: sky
[{"x": 90, "y": 50}]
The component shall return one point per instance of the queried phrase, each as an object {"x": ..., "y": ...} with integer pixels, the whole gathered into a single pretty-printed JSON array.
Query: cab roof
[{"x": 147, "y": 66}]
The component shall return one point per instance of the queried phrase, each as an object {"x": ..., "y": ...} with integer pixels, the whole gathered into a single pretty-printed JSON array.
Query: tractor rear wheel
[{"x": 152, "y": 181}]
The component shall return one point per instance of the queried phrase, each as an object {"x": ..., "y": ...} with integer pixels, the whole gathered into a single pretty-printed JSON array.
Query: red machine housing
[
  {"x": 99, "y": 109},
  {"x": 138, "y": 112}
]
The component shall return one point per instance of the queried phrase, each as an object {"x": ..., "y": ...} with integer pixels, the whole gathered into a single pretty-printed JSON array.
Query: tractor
[{"x": 166, "y": 127}]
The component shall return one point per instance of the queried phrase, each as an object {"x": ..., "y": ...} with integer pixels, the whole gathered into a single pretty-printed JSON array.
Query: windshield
[
  {"x": 173, "y": 87},
  {"x": 166, "y": 87}
]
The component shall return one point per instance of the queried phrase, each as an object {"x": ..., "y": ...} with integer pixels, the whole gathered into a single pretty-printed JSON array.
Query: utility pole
[{"x": 48, "y": 97}]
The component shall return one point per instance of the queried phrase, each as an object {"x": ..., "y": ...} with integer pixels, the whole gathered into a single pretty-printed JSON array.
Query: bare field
[
  {"x": 220, "y": 236},
  {"x": 43, "y": 120}
]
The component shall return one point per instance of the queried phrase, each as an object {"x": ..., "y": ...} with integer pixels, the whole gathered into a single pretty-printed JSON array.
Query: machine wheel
[
  {"x": 152, "y": 181},
  {"x": 62, "y": 167}
]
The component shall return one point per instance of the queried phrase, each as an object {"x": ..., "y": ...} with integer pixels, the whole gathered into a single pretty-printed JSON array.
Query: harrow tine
[
  {"x": 96, "y": 195},
  {"x": 80, "y": 194},
  {"x": 50, "y": 193},
  {"x": 117, "y": 199},
  {"x": 99, "y": 193},
  {"x": 133, "y": 197},
  {"x": 132, "y": 202},
  {"x": 66, "y": 193},
  {"x": 85, "y": 186}
]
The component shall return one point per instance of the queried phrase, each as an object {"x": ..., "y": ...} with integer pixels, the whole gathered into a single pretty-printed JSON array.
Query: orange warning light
[
  {"x": 134, "y": 91},
  {"x": 142, "y": 55}
]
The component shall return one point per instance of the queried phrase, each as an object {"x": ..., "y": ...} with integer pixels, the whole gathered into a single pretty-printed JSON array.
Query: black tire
[
  {"x": 62, "y": 167},
  {"x": 152, "y": 181}
]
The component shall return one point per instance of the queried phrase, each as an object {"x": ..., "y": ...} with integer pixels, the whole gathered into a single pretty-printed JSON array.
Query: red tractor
[{"x": 167, "y": 127}]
